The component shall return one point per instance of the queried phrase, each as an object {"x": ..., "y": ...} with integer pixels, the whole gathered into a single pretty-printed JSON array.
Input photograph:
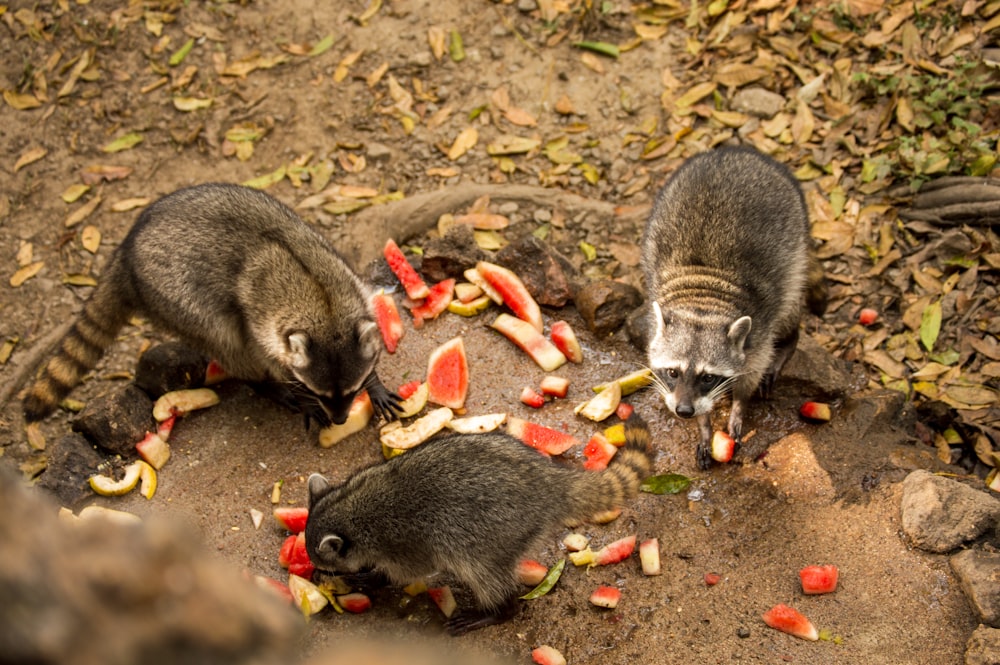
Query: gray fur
[
  {"x": 725, "y": 255},
  {"x": 238, "y": 275}
]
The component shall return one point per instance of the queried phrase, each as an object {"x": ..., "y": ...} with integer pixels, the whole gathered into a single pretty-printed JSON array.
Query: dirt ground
[{"x": 821, "y": 494}]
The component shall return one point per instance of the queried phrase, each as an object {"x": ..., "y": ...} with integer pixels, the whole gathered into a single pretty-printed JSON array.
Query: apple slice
[
  {"x": 532, "y": 342},
  {"x": 358, "y": 417},
  {"x": 722, "y": 446},
  {"x": 444, "y": 599},
  {"x": 540, "y": 437},
  {"x": 387, "y": 318},
  {"x": 531, "y": 572},
  {"x": 565, "y": 340},
  {"x": 412, "y": 283},
  {"x": 513, "y": 291},
  {"x": 471, "y": 308},
  {"x": 649, "y": 556},
  {"x": 398, "y": 437},
  {"x": 477, "y": 424},
  {"x": 306, "y": 595},
  {"x": 606, "y": 596},
  {"x": 154, "y": 450},
  {"x": 448, "y": 374},
  {"x": 108, "y": 486},
  {"x": 601, "y": 405}
]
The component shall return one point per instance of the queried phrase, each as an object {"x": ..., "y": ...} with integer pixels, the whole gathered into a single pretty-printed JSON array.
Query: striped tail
[
  {"x": 598, "y": 492},
  {"x": 102, "y": 317}
]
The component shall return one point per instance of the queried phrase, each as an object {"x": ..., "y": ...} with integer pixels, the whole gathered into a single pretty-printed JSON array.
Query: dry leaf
[
  {"x": 443, "y": 172},
  {"x": 695, "y": 94},
  {"x": 564, "y": 106},
  {"x": 29, "y": 156},
  {"x": 437, "y": 39},
  {"x": 343, "y": 67},
  {"x": 466, "y": 139},
  {"x": 83, "y": 212},
  {"x": 520, "y": 117},
  {"x": 592, "y": 62},
  {"x": 25, "y": 254},
  {"x": 501, "y": 98},
  {"x": 22, "y": 275},
  {"x": 188, "y": 104},
  {"x": 129, "y": 204},
  {"x": 95, "y": 173},
  {"x": 20, "y": 101},
  {"x": 79, "y": 280},
  {"x": 484, "y": 221},
  {"x": 508, "y": 144},
  {"x": 90, "y": 238},
  {"x": 737, "y": 74},
  {"x": 376, "y": 76},
  {"x": 36, "y": 439},
  {"x": 74, "y": 192}
]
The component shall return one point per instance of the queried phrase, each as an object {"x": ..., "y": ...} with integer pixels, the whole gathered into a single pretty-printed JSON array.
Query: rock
[
  {"x": 939, "y": 514},
  {"x": 638, "y": 328},
  {"x": 72, "y": 460},
  {"x": 547, "y": 274},
  {"x": 758, "y": 102},
  {"x": 606, "y": 304},
  {"x": 378, "y": 152},
  {"x": 116, "y": 421},
  {"x": 451, "y": 255},
  {"x": 821, "y": 375},
  {"x": 983, "y": 647},
  {"x": 170, "y": 366},
  {"x": 979, "y": 574}
]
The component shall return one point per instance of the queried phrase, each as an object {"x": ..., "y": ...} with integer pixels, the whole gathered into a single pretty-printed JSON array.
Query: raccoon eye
[
  {"x": 710, "y": 380},
  {"x": 673, "y": 373}
]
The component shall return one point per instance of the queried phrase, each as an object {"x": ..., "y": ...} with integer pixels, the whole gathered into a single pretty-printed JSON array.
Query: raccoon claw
[
  {"x": 469, "y": 620},
  {"x": 366, "y": 580},
  {"x": 311, "y": 412},
  {"x": 385, "y": 404},
  {"x": 704, "y": 456}
]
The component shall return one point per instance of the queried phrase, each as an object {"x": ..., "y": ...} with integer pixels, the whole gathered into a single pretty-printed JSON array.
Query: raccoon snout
[{"x": 685, "y": 410}]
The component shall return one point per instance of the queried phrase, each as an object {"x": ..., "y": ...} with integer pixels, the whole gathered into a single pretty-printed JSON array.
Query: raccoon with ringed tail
[
  {"x": 727, "y": 260},
  {"x": 236, "y": 274},
  {"x": 471, "y": 505}
]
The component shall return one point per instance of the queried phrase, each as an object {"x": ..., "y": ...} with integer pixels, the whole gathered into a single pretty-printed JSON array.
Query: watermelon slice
[
  {"x": 274, "y": 586},
  {"x": 166, "y": 427},
  {"x": 412, "y": 283},
  {"x": 475, "y": 278},
  {"x": 531, "y": 398},
  {"x": 540, "y": 437},
  {"x": 444, "y": 599},
  {"x": 565, "y": 340},
  {"x": 867, "y": 316},
  {"x": 515, "y": 295},
  {"x": 819, "y": 579},
  {"x": 437, "y": 301},
  {"x": 356, "y": 602},
  {"x": 358, "y": 417},
  {"x": 554, "y": 386},
  {"x": 546, "y": 655},
  {"x": 614, "y": 552},
  {"x": 154, "y": 450},
  {"x": 407, "y": 389},
  {"x": 624, "y": 410},
  {"x": 466, "y": 292},
  {"x": 292, "y": 518},
  {"x": 532, "y": 342},
  {"x": 285, "y": 553},
  {"x": 214, "y": 373},
  {"x": 298, "y": 559},
  {"x": 649, "y": 556},
  {"x": 789, "y": 620},
  {"x": 387, "y": 318},
  {"x": 598, "y": 453},
  {"x": 606, "y": 596},
  {"x": 416, "y": 401},
  {"x": 448, "y": 374},
  {"x": 531, "y": 572},
  {"x": 722, "y": 447}
]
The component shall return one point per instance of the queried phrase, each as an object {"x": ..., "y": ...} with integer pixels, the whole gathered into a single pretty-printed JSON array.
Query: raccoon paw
[
  {"x": 466, "y": 621},
  {"x": 385, "y": 404},
  {"x": 704, "y": 456},
  {"x": 366, "y": 580}
]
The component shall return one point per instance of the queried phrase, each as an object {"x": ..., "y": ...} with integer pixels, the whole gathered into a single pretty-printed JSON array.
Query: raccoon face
[
  {"x": 694, "y": 361},
  {"x": 328, "y": 548},
  {"x": 334, "y": 369}
]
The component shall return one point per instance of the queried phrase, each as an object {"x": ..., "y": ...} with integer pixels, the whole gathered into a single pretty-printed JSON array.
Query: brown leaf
[
  {"x": 520, "y": 117},
  {"x": 20, "y": 101},
  {"x": 501, "y": 98},
  {"x": 376, "y": 76},
  {"x": 83, "y": 212},
  {"x": 484, "y": 221},
  {"x": 344, "y": 66},
  {"x": 737, "y": 74},
  {"x": 95, "y": 173},
  {"x": 82, "y": 63},
  {"x": 22, "y": 275},
  {"x": 126, "y": 205},
  {"x": 25, "y": 254},
  {"x": 986, "y": 345},
  {"x": 437, "y": 39},
  {"x": 465, "y": 141},
  {"x": 564, "y": 106},
  {"x": 592, "y": 62},
  {"x": 29, "y": 157},
  {"x": 90, "y": 238}
]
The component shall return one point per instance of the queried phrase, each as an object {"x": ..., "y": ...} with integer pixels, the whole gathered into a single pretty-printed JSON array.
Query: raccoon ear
[
  {"x": 318, "y": 488},
  {"x": 297, "y": 344},
  {"x": 330, "y": 546},
  {"x": 367, "y": 331},
  {"x": 660, "y": 316},
  {"x": 738, "y": 332}
]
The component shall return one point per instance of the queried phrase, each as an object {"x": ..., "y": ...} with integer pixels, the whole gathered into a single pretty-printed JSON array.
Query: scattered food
[
  {"x": 415, "y": 401},
  {"x": 722, "y": 446},
  {"x": 575, "y": 542},
  {"x": 565, "y": 340},
  {"x": 444, "y": 599},
  {"x": 306, "y": 595},
  {"x": 531, "y": 398},
  {"x": 394, "y": 435},
  {"x": 477, "y": 424},
  {"x": 448, "y": 374},
  {"x": 819, "y": 579},
  {"x": 529, "y": 340},
  {"x": 554, "y": 386},
  {"x": 711, "y": 579},
  {"x": 601, "y": 405},
  {"x": 598, "y": 452},
  {"x": 547, "y": 582},
  {"x": 789, "y": 620},
  {"x": 624, "y": 410},
  {"x": 546, "y": 655},
  {"x": 154, "y": 450},
  {"x": 867, "y": 316},
  {"x": 649, "y": 556},
  {"x": 471, "y": 308},
  {"x": 515, "y": 295},
  {"x": 614, "y": 552},
  {"x": 438, "y": 299},
  {"x": 108, "y": 486},
  {"x": 412, "y": 283},
  {"x": 355, "y": 602},
  {"x": 630, "y": 382},
  {"x": 531, "y": 572},
  {"x": 815, "y": 411},
  {"x": 358, "y": 417},
  {"x": 292, "y": 518},
  {"x": 540, "y": 437},
  {"x": 387, "y": 318},
  {"x": 606, "y": 596},
  {"x": 180, "y": 402}
]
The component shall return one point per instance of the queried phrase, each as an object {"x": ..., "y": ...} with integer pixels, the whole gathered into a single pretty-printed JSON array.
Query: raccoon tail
[
  {"x": 817, "y": 291},
  {"x": 605, "y": 490},
  {"x": 93, "y": 332}
]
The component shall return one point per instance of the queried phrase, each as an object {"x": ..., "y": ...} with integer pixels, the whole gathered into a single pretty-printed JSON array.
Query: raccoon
[
  {"x": 727, "y": 256},
  {"x": 236, "y": 274},
  {"x": 471, "y": 505}
]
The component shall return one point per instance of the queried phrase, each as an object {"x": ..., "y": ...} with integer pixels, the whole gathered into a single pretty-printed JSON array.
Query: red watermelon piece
[
  {"x": 448, "y": 374},
  {"x": 819, "y": 579},
  {"x": 387, "y": 318},
  {"x": 292, "y": 518},
  {"x": 598, "y": 453},
  {"x": 546, "y": 655},
  {"x": 285, "y": 553},
  {"x": 298, "y": 559},
  {"x": 789, "y": 620},
  {"x": 355, "y": 603},
  {"x": 407, "y": 389},
  {"x": 437, "y": 300},
  {"x": 539, "y": 437},
  {"x": 532, "y": 342},
  {"x": 412, "y": 283},
  {"x": 815, "y": 411},
  {"x": 444, "y": 599},
  {"x": 531, "y": 572},
  {"x": 867, "y": 316},
  {"x": 513, "y": 291},
  {"x": 565, "y": 340},
  {"x": 606, "y": 596},
  {"x": 214, "y": 373},
  {"x": 554, "y": 386},
  {"x": 532, "y": 398},
  {"x": 624, "y": 410}
]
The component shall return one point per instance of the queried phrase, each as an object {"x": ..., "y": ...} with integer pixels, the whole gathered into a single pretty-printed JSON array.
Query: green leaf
[
  {"x": 322, "y": 46},
  {"x": 455, "y": 47},
  {"x": 670, "y": 483},
  {"x": 589, "y": 251},
  {"x": 546, "y": 584},
  {"x": 123, "y": 143},
  {"x": 181, "y": 53},
  {"x": 604, "y": 48},
  {"x": 947, "y": 357},
  {"x": 930, "y": 325}
]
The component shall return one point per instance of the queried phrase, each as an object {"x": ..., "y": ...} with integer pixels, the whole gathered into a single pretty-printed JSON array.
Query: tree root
[{"x": 952, "y": 201}]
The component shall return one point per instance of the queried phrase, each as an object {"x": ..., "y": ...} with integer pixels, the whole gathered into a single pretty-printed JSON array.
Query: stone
[
  {"x": 979, "y": 574},
  {"x": 547, "y": 274},
  {"x": 378, "y": 152},
  {"x": 117, "y": 420},
  {"x": 452, "y": 254},
  {"x": 983, "y": 647},
  {"x": 606, "y": 304},
  {"x": 72, "y": 460},
  {"x": 758, "y": 102},
  {"x": 821, "y": 375},
  {"x": 170, "y": 366},
  {"x": 939, "y": 514}
]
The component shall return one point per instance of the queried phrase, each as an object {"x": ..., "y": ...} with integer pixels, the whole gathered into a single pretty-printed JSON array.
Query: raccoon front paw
[
  {"x": 465, "y": 621},
  {"x": 704, "y": 456},
  {"x": 314, "y": 411},
  {"x": 385, "y": 404},
  {"x": 366, "y": 580}
]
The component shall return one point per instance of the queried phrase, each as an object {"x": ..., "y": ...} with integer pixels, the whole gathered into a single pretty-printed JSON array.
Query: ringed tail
[
  {"x": 611, "y": 488},
  {"x": 92, "y": 333}
]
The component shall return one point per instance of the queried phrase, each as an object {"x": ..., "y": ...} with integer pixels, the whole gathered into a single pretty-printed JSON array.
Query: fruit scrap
[
  {"x": 466, "y": 292},
  {"x": 180, "y": 402},
  {"x": 475, "y": 278},
  {"x": 615, "y": 434},
  {"x": 102, "y": 513},
  {"x": 407, "y": 389},
  {"x": 601, "y": 405},
  {"x": 292, "y": 518},
  {"x": 993, "y": 480},
  {"x": 415, "y": 588},
  {"x": 531, "y": 398},
  {"x": 448, "y": 374},
  {"x": 471, "y": 308},
  {"x": 630, "y": 382},
  {"x": 554, "y": 386},
  {"x": 614, "y": 552},
  {"x": 306, "y": 595},
  {"x": 444, "y": 599},
  {"x": 598, "y": 452},
  {"x": 649, "y": 556},
  {"x": 477, "y": 424},
  {"x": 530, "y": 572},
  {"x": 108, "y": 486},
  {"x": 358, "y": 417},
  {"x": 513, "y": 291},
  {"x": 398, "y": 437},
  {"x": 624, "y": 410},
  {"x": 722, "y": 447},
  {"x": 412, "y": 283},
  {"x": 166, "y": 427},
  {"x": 415, "y": 402},
  {"x": 789, "y": 620},
  {"x": 546, "y": 655},
  {"x": 387, "y": 318},
  {"x": 711, "y": 579},
  {"x": 606, "y": 596},
  {"x": 819, "y": 579},
  {"x": 147, "y": 480},
  {"x": 214, "y": 373},
  {"x": 547, "y": 582},
  {"x": 815, "y": 411},
  {"x": 867, "y": 316},
  {"x": 540, "y": 437},
  {"x": 285, "y": 553},
  {"x": 575, "y": 542},
  {"x": 529, "y": 340},
  {"x": 355, "y": 602},
  {"x": 437, "y": 301},
  {"x": 293, "y": 555},
  {"x": 280, "y": 589},
  {"x": 154, "y": 450},
  {"x": 565, "y": 340}
]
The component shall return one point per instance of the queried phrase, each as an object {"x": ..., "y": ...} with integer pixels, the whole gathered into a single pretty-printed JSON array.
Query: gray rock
[
  {"x": 606, "y": 304},
  {"x": 508, "y": 208},
  {"x": 72, "y": 460},
  {"x": 939, "y": 514},
  {"x": 117, "y": 420},
  {"x": 758, "y": 102},
  {"x": 547, "y": 274},
  {"x": 983, "y": 647},
  {"x": 452, "y": 254},
  {"x": 170, "y": 366},
  {"x": 979, "y": 574},
  {"x": 527, "y": 5},
  {"x": 819, "y": 374},
  {"x": 421, "y": 59},
  {"x": 377, "y": 151}
]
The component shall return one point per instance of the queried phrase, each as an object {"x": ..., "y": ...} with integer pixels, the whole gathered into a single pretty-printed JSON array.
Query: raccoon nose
[{"x": 685, "y": 410}]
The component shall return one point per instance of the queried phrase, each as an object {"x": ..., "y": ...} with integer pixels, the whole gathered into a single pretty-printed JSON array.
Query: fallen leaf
[
  {"x": 25, "y": 254},
  {"x": 22, "y": 275},
  {"x": 268, "y": 179},
  {"x": 695, "y": 94},
  {"x": 79, "y": 280},
  {"x": 455, "y": 47},
  {"x": 7, "y": 349},
  {"x": 930, "y": 325},
  {"x": 188, "y": 104},
  {"x": 564, "y": 106},
  {"x": 436, "y": 38},
  {"x": 123, "y": 143},
  {"x": 90, "y": 238},
  {"x": 520, "y": 117},
  {"x": 376, "y": 76},
  {"x": 83, "y": 212},
  {"x": 29, "y": 157},
  {"x": 592, "y": 62},
  {"x": 465, "y": 140},
  {"x": 178, "y": 56},
  {"x": 343, "y": 67},
  {"x": 125, "y": 205},
  {"x": 21, "y": 101},
  {"x": 322, "y": 46},
  {"x": 95, "y": 173},
  {"x": 443, "y": 172},
  {"x": 373, "y": 8},
  {"x": 603, "y": 48}
]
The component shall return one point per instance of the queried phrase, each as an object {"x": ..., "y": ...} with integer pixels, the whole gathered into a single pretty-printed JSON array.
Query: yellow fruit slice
[
  {"x": 107, "y": 486},
  {"x": 147, "y": 479}
]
